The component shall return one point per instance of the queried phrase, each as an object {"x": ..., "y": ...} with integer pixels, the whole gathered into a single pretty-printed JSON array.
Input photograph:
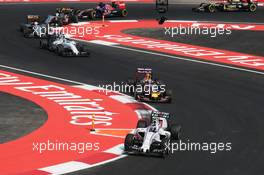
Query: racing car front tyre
[
  {"x": 175, "y": 131},
  {"x": 128, "y": 142},
  {"x": 26, "y": 33},
  {"x": 60, "y": 50},
  {"x": 195, "y": 10},
  {"x": 21, "y": 29},
  {"x": 165, "y": 143},
  {"x": 160, "y": 147},
  {"x": 252, "y": 7}
]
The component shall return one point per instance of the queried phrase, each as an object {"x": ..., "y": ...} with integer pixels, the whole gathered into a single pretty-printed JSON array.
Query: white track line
[
  {"x": 122, "y": 21},
  {"x": 184, "y": 59},
  {"x": 191, "y": 60},
  {"x": 105, "y": 43},
  {"x": 123, "y": 99},
  {"x": 226, "y": 22},
  {"x": 118, "y": 150},
  {"x": 66, "y": 167},
  {"x": 44, "y": 75}
]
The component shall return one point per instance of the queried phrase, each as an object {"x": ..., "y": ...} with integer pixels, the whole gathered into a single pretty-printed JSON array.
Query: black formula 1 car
[
  {"x": 115, "y": 9},
  {"x": 67, "y": 15},
  {"x": 231, "y": 5},
  {"x": 146, "y": 89},
  {"x": 63, "y": 46},
  {"x": 37, "y": 27},
  {"x": 153, "y": 136}
]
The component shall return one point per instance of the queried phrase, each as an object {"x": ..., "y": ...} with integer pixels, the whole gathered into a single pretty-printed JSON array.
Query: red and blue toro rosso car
[
  {"x": 113, "y": 9},
  {"x": 229, "y": 5}
]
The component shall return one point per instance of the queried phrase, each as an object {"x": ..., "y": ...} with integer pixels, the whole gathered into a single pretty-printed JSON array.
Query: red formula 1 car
[{"x": 114, "y": 9}]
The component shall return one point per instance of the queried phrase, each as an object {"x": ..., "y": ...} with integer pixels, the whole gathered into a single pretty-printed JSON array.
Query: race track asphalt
[
  {"x": 213, "y": 104},
  {"x": 18, "y": 117}
]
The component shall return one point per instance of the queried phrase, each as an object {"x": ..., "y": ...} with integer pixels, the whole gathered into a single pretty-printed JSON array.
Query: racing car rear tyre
[
  {"x": 211, "y": 8},
  {"x": 92, "y": 14},
  {"x": 74, "y": 19},
  {"x": 142, "y": 124},
  {"x": 136, "y": 96},
  {"x": 252, "y": 7},
  {"x": 128, "y": 141},
  {"x": 169, "y": 94},
  {"x": 124, "y": 13}
]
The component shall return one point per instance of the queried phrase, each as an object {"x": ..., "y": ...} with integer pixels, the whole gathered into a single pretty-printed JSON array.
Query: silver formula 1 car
[
  {"x": 152, "y": 136},
  {"x": 63, "y": 46}
]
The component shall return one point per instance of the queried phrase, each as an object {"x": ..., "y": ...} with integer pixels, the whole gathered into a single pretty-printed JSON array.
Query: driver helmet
[
  {"x": 154, "y": 126},
  {"x": 62, "y": 36},
  {"x": 147, "y": 77}
]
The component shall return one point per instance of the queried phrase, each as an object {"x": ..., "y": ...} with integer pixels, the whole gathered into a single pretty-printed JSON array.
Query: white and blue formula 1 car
[
  {"x": 64, "y": 46},
  {"x": 152, "y": 136}
]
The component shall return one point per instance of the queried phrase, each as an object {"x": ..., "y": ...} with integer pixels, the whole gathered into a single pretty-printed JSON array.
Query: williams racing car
[
  {"x": 146, "y": 89},
  {"x": 152, "y": 136},
  {"x": 63, "y": 46},
  {"x": 230, "y": 5}
]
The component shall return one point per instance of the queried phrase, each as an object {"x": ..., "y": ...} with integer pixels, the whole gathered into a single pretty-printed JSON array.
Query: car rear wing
[
  {"x": 157, "y": 114},
  {"x": 33, "y": 18},
  {"x": 144, "y": 70}
]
